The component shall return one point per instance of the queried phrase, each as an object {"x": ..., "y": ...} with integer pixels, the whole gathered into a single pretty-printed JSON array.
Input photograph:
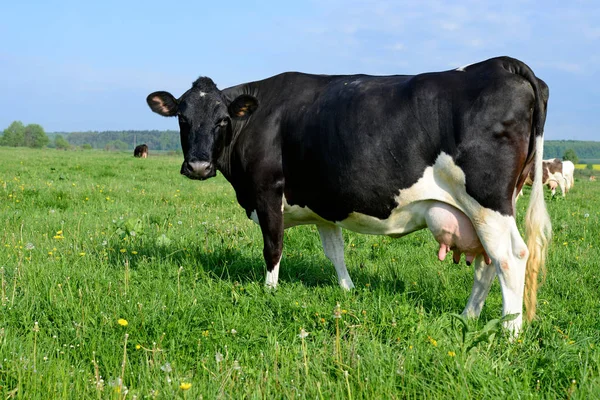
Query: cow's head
[{"x": 205, "y": 116}]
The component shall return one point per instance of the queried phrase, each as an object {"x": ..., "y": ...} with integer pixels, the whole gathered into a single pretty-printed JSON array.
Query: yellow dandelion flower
[
  {"x": 185, "y": 386},
  {"x": 123, "y": 250},
  {"x": 138, "y": 346},
  {"x": 49, "y": 253},
  {"x": 134, "y": 252},
  {"x": 451, "y": 353},
  {"x": 107, "y": 198},
  {"x": 122, "y": 322},
  {"x": 205, "y": 333},
  {"x": 59, "y": 232},
  {"x": 82, "y": 254},
  {"x": 432, "y": 341}
]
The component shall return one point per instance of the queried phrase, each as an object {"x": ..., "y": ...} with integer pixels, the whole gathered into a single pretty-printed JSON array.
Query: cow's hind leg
[
  {"x": 505, "y": 246},
  {"x": 483, "y": 278},
  {"x": 333, "y": 246}
]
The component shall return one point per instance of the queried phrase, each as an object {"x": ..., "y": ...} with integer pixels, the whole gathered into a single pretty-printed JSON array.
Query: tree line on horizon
[{"x": 33, "y": 135}]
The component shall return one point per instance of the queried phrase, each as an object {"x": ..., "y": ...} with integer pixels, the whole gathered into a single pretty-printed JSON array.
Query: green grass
[{"x": 189, "y": 282}]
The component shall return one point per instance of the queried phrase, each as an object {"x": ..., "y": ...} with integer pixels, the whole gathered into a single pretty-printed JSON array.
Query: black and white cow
[{"x": 384, "y": 155}]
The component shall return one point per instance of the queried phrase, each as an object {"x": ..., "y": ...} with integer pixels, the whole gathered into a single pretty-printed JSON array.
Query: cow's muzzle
[{"x": 195, "y": 169}]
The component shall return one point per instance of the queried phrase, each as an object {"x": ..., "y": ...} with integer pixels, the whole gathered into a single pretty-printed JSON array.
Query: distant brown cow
[
  {"x": 592, "y": 178},
  {"x": 552, "y": 176},
  {"x": 141, "y": 151}
]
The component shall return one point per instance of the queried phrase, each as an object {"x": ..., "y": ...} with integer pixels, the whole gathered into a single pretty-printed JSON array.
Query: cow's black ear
[
  {"x": 243, "y": 106},
  {"x": 162, "y": 103}
]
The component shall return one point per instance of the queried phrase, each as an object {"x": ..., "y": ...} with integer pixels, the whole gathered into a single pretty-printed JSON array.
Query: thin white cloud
[
  {"x": 449, "y": 26},
  {"x": 396, "y": 47}
]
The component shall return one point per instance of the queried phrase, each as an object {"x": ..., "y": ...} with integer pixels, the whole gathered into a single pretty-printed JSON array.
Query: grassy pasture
[{"x": 122, "y": 279}]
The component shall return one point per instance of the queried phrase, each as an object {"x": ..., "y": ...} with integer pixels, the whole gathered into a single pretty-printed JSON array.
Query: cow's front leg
[{"x": 270, "y": 218}]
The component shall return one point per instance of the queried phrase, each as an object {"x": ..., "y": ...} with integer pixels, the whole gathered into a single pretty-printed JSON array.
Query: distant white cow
[{"x": 568, "y": 172}]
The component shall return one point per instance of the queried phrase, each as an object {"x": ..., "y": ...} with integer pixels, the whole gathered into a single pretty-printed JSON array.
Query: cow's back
[{"x": 362, "y": 139}]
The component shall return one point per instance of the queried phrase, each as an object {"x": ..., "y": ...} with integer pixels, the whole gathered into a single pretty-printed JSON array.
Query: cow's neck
[{"x": 225, "y": 160}]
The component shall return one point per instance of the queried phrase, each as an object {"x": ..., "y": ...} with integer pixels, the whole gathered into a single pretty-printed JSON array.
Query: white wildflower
[
  {"x": 303, "y": 334},
  {"x": 166, "y": 368}
]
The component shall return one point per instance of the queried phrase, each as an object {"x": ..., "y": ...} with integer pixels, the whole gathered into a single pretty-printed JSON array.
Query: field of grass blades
[{"x": 122, "y": 279}]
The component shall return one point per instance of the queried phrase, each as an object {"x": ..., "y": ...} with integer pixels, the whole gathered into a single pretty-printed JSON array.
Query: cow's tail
[
  {"x": 537, "y": 221},
  {"x": 539, "y": 233}
]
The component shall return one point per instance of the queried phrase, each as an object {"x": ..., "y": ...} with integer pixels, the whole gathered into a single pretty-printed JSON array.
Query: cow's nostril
[
  {"x": 199, "y": 167},
  {"x": 196, "y": 169}
]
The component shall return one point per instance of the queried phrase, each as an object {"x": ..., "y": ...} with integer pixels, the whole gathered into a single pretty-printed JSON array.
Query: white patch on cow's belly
[
  {"x": 402, "y": 221},
  {"x": 444, "y": 181},
  {"x": 296, "y": 215},
  {"x": 293, "y": 215}
]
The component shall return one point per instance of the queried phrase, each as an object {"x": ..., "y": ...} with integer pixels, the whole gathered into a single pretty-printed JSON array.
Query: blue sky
[{"x": 78, "y": 65}]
